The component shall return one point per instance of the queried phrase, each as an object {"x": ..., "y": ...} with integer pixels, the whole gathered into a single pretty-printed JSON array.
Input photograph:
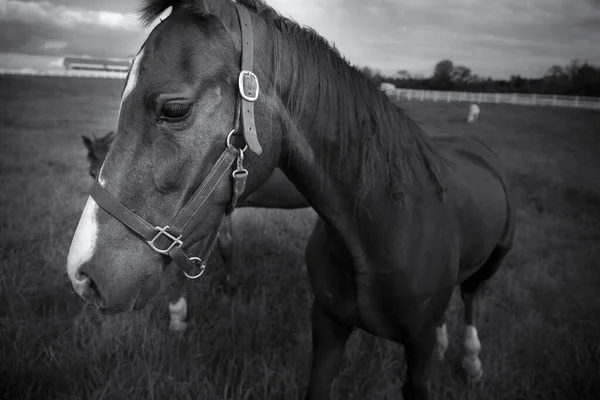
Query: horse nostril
[
  {"x": 91, "y": 293},
  {"x": 87, "y": 288}
]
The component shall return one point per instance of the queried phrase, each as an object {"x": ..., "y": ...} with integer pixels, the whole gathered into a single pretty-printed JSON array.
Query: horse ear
[{"x": 88, "y": 143}]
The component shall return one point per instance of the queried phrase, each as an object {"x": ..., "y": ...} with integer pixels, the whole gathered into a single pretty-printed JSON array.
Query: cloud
[
  {"x": 46, "y": 12},
  {"x": 47, "y": 28},
  {"x": 496, "y": 38},
  {"x": 55, "y": 45}
]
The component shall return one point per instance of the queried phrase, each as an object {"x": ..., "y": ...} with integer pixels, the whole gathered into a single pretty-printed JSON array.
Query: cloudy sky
[{"x": 494, "y": 38}]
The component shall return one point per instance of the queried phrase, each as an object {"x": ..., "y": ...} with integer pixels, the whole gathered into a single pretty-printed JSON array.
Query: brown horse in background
[{"x": 277, "y": 192}]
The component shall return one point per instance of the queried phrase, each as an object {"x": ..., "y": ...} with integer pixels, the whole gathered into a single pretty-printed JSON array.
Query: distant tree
[
  {"x": 442, "y": 74},
  {"x": 555, "y": 71},
  {"x": 582, "y": 79},
  {"x": 460, "y": 73},
  {"x": 443, "y": 69},
  {"x": 373, "y": 75},
  {"x": 555, "y": 80},
  {"x": 586, "y": 80},
  {"x": 369, "y": 73},
  {"x": 571, "y": 69},
  {"x": 461, "y": 76}
]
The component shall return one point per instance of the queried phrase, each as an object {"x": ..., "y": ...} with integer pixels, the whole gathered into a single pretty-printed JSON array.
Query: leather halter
[{"x": 193, "y": 267}]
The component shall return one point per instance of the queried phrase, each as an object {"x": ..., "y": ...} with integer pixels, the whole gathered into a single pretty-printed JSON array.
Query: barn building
[{"x": 97, "y": 64}]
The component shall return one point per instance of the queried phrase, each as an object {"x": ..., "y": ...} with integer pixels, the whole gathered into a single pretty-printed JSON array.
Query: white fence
[
  {"x": 504, "y": 98},
  {"x": 398, "y": 93},
  {"x": 66, "y": 73}
]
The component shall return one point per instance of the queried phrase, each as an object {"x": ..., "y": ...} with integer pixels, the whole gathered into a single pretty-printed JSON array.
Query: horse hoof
[
  {"x": 476, "y": 377},
  {"x": 178, "y": 326},
  {"x": 472, "y": 368}
]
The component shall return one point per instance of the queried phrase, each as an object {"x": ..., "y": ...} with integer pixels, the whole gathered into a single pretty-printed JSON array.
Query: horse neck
[{"x": 332, "y": 115}]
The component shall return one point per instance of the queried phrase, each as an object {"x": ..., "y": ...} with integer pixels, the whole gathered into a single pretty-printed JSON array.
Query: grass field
[{"x": 540, "y": 330}]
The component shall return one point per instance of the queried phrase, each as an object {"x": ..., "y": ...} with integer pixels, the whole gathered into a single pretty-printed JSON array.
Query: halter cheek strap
[
  {"x": 247, "y": 81},
  {"x": 172, "y": 234}
]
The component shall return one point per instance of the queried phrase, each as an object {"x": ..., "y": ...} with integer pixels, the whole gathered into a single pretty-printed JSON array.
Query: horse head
[
  {"x": 188, "y": 111},
  {"x": 97, "y": 149}
]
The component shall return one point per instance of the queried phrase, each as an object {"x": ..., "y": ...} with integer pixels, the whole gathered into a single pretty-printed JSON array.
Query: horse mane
[{"x": 387, "y": 144}]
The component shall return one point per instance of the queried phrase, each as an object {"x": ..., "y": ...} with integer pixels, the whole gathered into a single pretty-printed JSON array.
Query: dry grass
[{"x": 540, "y": 329}]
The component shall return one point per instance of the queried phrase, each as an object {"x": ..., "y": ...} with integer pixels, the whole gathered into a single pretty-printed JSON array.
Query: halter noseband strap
[{"x": 193, "y": 267}]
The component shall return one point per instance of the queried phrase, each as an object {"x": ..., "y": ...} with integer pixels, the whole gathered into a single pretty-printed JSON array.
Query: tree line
[{"x": 575, "y": 79}]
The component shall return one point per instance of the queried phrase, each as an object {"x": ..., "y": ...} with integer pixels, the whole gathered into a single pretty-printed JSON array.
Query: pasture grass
[{"x": 540, "y": 329}]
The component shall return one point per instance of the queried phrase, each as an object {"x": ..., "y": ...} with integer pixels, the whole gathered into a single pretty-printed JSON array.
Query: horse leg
[
  {"x": 177, "y": 302},
  {"x": 441, "y": 335},
  {"x": 471, "y": 291},
  {"x": 329, "y": 339},
  {"x": 418, "y": 351},
  {"x": 226, "y": 250}
]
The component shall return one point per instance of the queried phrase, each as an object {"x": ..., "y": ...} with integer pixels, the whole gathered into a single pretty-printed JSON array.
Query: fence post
[
  {"x": 576, "y": 101},
  {"x": 554, "y": 101},
  {"x": 533, "y": 99},
  {"x": 435, "y": 96},
  {"x": 422, "y": 95},
  {"x": 448, "y": 97},
  {"x": 497, "y": 98},
  {"x": 481, "y": 97},
  {"x": 514, "y": 98},
  {"x": 409, "y": 94}
]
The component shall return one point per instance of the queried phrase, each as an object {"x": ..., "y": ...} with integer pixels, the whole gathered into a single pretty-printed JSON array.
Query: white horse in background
[
  {"x": 473, "y": 113},
  {"x": 387, "y": 87}
]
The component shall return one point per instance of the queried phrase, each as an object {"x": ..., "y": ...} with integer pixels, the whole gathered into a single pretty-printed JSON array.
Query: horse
[
  {"x": 387, "y": 87},
  {"x": 473, "y": 113},
  {"x": 219, "y": 95},
  {"x": 277, "y": 192}
]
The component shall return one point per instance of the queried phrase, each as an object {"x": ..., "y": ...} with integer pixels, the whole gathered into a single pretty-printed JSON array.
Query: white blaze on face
[
  {"x": 132, "y": 79},
  {"x": 131, "y": 83},
  {"x": 85, "y": 239},
  {"x": 84, "y": 242},
  {"x": 133, "y": 75}
]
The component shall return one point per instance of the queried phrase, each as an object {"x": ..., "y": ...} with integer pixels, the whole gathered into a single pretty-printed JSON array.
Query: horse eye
[{"x": 175, "y": 112}]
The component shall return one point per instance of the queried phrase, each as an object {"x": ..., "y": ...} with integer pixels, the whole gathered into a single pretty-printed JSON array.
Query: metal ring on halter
[
  {"x": 229, "y": 142},
  {"x": 238, "y": 173},
  {"x": 202, "y": 268}
]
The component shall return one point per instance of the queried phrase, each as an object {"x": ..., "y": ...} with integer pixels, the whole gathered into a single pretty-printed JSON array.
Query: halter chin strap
[{"x": 168, "y": 240}]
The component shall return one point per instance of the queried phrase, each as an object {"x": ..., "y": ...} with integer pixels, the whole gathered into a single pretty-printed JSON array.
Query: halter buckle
[
  {"x": 175, "y": 241},
  {"x": 248, "y": 85}
]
